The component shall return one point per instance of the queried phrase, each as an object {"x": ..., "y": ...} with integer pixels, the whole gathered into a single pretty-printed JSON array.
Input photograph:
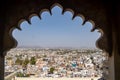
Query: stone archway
[
  {"x": 13, "y": 11},
  {"x": 24, "y": 9}
]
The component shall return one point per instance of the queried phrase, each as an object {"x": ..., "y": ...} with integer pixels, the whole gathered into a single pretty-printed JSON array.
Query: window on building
[{"x": 56, "y": 46}]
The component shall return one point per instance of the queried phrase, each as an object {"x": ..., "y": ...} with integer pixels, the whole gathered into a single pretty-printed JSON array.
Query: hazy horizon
[{"x": 55, "y": 47}]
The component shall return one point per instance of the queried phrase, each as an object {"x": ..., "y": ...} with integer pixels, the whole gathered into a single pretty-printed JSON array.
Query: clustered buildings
[{"x": 58, "y": 62}]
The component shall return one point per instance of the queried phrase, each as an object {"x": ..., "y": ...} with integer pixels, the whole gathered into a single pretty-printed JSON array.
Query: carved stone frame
[
  {"x": 88, "y": 11},
  {"x": 15, "y": 12}
]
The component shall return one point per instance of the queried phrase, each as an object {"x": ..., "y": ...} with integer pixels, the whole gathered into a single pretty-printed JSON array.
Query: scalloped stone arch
[
  {"x": 63, "y": 11},
  {"x": 104, "y": 14},
  {"x": 36, "y": 9},
  {"x": 98, "y": 42}
]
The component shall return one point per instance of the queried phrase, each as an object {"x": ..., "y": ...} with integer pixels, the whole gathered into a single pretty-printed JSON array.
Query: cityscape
[
  {"x": 56, "y": 63},
  {"x": 54, "y": 48}
]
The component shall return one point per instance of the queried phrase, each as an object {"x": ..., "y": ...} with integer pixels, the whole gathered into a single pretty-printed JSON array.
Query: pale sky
[{"x": 56, "y": 31}]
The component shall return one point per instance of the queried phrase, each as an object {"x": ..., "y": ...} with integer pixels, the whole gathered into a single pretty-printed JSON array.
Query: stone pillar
[
  {"x": 111, "y": 68},
  {"x": 114, "y": 61},
  {"x": 114, "y": 66},
  {"x": 2, "y": 67},
  {"x": 117, "y": 65}
]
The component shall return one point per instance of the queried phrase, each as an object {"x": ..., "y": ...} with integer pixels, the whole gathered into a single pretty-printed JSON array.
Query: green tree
[
  {"x": 19, "y": 74},
  {"x": 25, "y": 62},
  {"x": 19, "y": 61},
  {"x": 9, "y": 58},
  {"x": 32, "y": 61},
  {"x": 44, "y": 55},
  {"x": 52, "y": 70}
]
